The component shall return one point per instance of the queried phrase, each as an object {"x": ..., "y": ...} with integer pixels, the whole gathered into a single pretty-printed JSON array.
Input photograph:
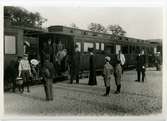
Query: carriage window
[
  {"x": 151, "y": 50},
  {"x": 109, "y": 49},
  {"x": 155, "y": 50},
  {"x": 79, "y": 46},
  {"x": 125, "y": 49},
  {"x": 87, "y": 45},
  {"x": 10, "y": 44},
  {"x": 102, "y": 46},
  {"x": 112, "y": 49},
  {"x": 131, "y": 49},
  {"x": 97, "y": 46},
  {"x": 117, "y": 48},
  {"x": 137, "y": 49}
]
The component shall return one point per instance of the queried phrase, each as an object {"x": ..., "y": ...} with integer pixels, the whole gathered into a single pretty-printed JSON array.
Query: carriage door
[
  {"x": 32, "y": 47},
  {"x": 118, "y": 48}
]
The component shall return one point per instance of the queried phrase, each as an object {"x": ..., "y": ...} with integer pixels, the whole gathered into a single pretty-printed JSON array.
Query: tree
[
  {"x": 95, "y": 27},
  {"x": 116, "y": 30},
  {"x": 73, "y": 25},
  {"x": 22, "y": 17}
]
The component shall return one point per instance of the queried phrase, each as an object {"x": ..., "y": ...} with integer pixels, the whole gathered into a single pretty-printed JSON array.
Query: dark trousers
[
  {"x": 122, "y": 68},
  {"x": 139, "y": 72},
  {"x": 26, "y": 79},
  {"x": 76, "y": 76},
  {"x": 107, "y": 90},
  {"x": 92, "y": 78},
  {"x": 14, "y": 85},
  {"x": 48, "y": 89},
  {"x": 21, "y": 88}
]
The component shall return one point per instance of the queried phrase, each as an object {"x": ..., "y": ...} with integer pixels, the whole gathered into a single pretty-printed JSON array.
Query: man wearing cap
[
  {"x": 25, "y": 71},
  {"x": 48, "y": 74},
  {"x": 108, "y": 70}
]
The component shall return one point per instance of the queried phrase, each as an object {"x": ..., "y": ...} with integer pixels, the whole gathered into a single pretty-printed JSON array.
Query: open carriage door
[{"x": 31, "y": 47}]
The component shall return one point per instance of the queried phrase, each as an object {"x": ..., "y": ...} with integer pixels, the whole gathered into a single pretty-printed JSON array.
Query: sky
[{"x": 138, "y": 22}]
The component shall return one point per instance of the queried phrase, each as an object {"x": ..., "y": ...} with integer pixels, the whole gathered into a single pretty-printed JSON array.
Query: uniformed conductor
[{"x": 107, "y": 73}]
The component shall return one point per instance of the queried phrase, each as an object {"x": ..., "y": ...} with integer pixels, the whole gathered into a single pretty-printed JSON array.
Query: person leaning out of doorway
[
  {"x": 25, "y": 72},
  {"x": 48, "y": 74},
  {"x": 107, "y": 73},
  {"x": 118, "y": 75}
]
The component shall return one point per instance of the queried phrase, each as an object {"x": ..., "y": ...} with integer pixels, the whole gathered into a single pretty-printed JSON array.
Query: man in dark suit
[
  {"x": 48, "y": 74},
  {"x": 140, "y": 66},
  {"x": 75, "y": 65}
]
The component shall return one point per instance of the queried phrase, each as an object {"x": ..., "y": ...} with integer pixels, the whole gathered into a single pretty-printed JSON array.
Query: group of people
[
  {"x": 48, "y": 70},
  {"x": 117, "y": 70}
]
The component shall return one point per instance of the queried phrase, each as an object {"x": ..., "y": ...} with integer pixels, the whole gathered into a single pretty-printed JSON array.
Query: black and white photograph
[{"x": 83, "y": 61}]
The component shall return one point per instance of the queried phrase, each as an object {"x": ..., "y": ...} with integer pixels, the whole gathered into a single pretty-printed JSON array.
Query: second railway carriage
[{"x": 106, "y": 45}]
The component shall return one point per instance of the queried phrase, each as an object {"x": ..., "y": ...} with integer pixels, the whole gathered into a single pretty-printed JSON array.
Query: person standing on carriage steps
[
  {"x": 25, "y": 72},
  {"x": 140, "y": 66},
  {"x": 48, "y": 74},
  {"x": 118, "y": 75},
  {"x": 75, "y": 65},
  {"x": 107, "y": 73},
  {"x": 92, "y": 68}
]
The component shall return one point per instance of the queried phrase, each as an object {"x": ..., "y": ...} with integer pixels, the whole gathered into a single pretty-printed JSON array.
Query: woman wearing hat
[{"x": 108, "y": 70}]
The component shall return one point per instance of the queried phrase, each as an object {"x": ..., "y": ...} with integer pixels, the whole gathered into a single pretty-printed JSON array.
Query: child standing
[{"x": 108, "y": 70}]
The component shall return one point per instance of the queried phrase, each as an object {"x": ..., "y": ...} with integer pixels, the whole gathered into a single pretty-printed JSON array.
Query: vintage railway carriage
[
  {"x": 106, "y": 45},
  {"x": 103, "y": 44}
]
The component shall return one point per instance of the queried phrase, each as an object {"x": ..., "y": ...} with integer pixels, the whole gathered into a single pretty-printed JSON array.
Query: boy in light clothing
[{"x": 25, "y": 72}]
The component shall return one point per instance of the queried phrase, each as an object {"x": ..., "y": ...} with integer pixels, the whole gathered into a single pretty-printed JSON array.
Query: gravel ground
[{"x": 80, "y": 99}]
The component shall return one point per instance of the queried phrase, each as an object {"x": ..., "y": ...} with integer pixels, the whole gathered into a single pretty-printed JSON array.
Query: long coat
[
  {"x": 92, "y": 69},
  {"x": 141, "y": 60},
  {"x": 75, "y": 63},
  {"x": 118, "y": 74},
  {"x": 48, "y": 74},
  {"x": 51, "y": 71},
  {"x": 107, "y": 72}
]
